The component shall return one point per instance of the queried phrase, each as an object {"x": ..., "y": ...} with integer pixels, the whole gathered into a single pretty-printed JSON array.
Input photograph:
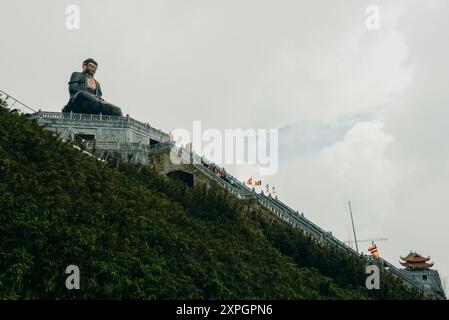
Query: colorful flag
[
  {"x": 273, "y": 190},
  {"x": 250, "y": 181},
  {"x": 258, "y": 183},
  {"x": 268, "y": 188},
  {"x": 373, "y": 251}
]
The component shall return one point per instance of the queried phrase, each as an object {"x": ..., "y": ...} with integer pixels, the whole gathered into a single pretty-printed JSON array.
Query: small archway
[{"x": 183, "y": 176}]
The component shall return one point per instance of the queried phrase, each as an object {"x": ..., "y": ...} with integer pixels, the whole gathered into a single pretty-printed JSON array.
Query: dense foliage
[{"x": 135, "y": 234}]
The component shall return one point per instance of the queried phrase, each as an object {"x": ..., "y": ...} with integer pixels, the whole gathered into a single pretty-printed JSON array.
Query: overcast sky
[{"x": 362, "y": 114}]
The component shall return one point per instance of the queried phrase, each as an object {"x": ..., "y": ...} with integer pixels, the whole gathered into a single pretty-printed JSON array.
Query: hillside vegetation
[{"x": 135, "y": 234}]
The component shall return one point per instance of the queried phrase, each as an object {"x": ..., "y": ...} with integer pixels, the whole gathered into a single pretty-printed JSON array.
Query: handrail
[{"x": 7, "y": 95}]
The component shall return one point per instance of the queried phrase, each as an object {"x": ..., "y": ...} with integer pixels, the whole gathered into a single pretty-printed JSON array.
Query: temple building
[
  {"x": 104, "y": 135},
  {"x": 418, "y": 267}
]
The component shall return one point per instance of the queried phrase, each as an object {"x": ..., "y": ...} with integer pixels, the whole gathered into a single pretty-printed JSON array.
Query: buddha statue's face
[{"x": 90, "y": 68}]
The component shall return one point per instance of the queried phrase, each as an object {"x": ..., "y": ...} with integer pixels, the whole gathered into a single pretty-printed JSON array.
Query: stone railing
[
  {"x": 117, "y": 146},
  {"x": 116, "y": 120}
]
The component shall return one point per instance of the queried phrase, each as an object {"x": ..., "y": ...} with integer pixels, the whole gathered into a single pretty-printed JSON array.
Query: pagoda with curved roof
[
  {"x": 419, "y": 268},
  {"x": 414, "y": 261}
]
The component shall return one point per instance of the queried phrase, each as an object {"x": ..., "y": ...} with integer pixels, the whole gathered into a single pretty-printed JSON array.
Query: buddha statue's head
[{"x": 90, "y": 66}]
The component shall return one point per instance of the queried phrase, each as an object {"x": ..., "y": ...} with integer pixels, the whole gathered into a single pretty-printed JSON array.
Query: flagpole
[{"x": 353, "y": 228}]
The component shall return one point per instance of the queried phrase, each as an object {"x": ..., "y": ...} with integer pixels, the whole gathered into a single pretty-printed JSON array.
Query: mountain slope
[{"x": 137, "y": 235}]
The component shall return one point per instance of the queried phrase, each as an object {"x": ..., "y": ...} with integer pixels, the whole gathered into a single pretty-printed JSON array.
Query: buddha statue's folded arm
[
  {"x": 99, "y": 92},
  {"x": 74, "y": 83}
]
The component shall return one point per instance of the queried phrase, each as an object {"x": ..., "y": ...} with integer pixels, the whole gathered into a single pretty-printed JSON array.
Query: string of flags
[
  {"x": 221, "y": 174},
  {"x": 258, "y": 183},
  {"x": 373, "y": 251}
]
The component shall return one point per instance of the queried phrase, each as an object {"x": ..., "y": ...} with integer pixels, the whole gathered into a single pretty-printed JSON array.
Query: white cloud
[{"x": 354, "y": 168}]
